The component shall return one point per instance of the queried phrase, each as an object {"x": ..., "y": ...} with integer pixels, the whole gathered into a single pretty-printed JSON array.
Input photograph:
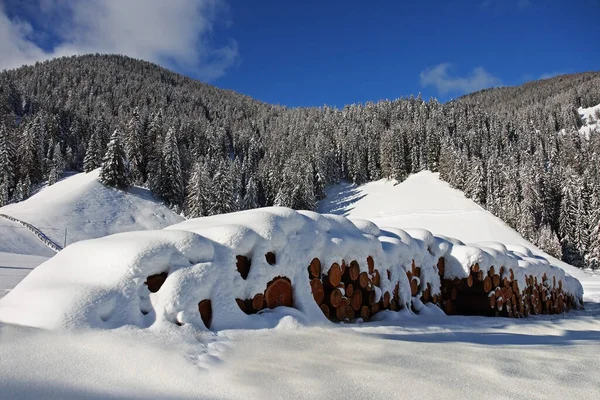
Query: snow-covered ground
[
  {"x": 405, "y": 355},
  {"x": 86, "y": 209},
  {"x": 15, "y": 267},
  {"x": 590, "y": 120}
]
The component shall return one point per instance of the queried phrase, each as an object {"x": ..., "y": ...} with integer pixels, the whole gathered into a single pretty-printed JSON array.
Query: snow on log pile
[{"x": 231, "y": 270}]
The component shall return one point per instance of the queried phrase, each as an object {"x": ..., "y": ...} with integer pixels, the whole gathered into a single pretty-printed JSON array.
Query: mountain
[{"x": 517, "y": 152}]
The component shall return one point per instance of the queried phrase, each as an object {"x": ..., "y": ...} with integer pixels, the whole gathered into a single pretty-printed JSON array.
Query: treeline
[{"x": 204, "y": 151}]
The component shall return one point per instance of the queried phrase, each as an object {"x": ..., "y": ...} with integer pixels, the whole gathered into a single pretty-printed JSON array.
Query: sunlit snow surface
[{"x": 403, "y": 356}]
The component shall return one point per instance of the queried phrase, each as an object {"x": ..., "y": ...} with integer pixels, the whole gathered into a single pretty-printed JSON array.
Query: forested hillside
[{"x": 516, "y": 151}]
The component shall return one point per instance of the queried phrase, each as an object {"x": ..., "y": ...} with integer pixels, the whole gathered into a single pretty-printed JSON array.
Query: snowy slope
[
  {"x": 424, "y": 201},
  {"x": 590, "y": 121},
  {"x": 87, "y": 209}
]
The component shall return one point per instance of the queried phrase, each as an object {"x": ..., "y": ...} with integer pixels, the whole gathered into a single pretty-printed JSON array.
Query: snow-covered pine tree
[
  {"x": 93, "y": 155},
  {"x": 57, "y": 163},
  {"x": 222, "y": 196},
  {"x": 135, "y": 147},
  {"x": 171, "y": 188},
  {"x": 197, "y": 202},
  {"x": 252, "y": 197},
  {"x": 7, "y": 167},
  {"x": 114, "y": 170}
]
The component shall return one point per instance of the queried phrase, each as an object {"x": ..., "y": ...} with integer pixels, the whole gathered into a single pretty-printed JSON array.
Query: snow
[
  {"x": 102, "y": 346},
  {"x": 15, "y": 267},
  {"x": 86, "y": 208},
  {"x": 588, "y": 115}
]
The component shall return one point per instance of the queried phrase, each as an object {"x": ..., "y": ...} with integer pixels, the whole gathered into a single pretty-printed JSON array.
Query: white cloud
[
  {"x": 173, "y": 33},
  {"x": 442, "y": 79}
]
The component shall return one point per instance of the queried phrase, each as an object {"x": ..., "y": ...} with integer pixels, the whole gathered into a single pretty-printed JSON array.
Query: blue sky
[{"x": 302, "y": 53}]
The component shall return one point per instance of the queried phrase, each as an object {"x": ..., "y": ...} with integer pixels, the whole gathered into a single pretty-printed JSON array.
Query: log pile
[
  {"x": 497, "y": 293},
  {"x": 345, "y": 293}
]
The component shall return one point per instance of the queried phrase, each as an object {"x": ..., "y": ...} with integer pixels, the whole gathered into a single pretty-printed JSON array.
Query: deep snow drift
[
  {"x": 101, "y": 283},
  {"x": 86, "y": 208}
]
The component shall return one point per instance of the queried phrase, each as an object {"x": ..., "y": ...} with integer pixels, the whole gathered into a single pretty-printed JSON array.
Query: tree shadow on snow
[{"x": 341, "y": 202}]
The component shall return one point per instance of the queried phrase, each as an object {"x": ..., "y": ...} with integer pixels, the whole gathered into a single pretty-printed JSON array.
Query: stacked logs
[
  {"x": 497, "y": 293},
  {"x": 344, "y": 293}
]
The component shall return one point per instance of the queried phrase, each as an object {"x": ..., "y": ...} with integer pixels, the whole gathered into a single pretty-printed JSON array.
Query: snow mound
[
  {"x": 101, "y": 283},
  {"x": 87, "y": 209}
]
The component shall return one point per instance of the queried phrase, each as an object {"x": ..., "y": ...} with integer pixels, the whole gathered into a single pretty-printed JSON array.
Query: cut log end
[
  {"x": 243, "y": 266},
  {"x": 205, "y": 309},
  {"x": 314, "y": 269},
  {"x": 363, "y": 280},
  {"x": 354, "y": 270},
  {"x": 370, "y": 264},
  {"x": 334, "y": 276},
  {"x": 258, "y": 302},
  {"x": 155, "y": 282},
  {"x": 279, "y": 293},
  {"x": 270, "y": 257},
  {"x": 317, "y": 290}
]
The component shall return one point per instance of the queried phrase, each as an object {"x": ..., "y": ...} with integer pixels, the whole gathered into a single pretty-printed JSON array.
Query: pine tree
[
  {"x": 171, "y": 188},
  {"x": 114, "y": 171},
  {"x": 7, "y": 167},
  {"x": 252, "y": 198},
  {"x": 57, "y": 168},
  {"x": 93, "y": 155},
  {"x": 197, "y": 203},
  {"x": 135, "y": 148},
  {"x": 222, "y": 200}
]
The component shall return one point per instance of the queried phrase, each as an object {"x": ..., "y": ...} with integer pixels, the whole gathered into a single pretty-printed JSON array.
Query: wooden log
[
  {"x": 343, "y": 267},
  {"x": 154, "y": 282},
  {"x": 258, "y": 302},
  {"x": 487, "y": 284},
  {"x": 205, "y": 310},
  {"x": 363, "y": 280},
  {"x": 340, "y": 311},
  {"x": 414, "y": 287},
  {"x": 505, "y": 282},
  {"x": 386, "y": 300},
  {"x": 393, "y": 305},
  {"x": 515, "y": 286},
  {"x": 365, "y": 313},
  {"x": 350, "y": 314},
  {"x": 334, "y": 276},
  {"x": 354, "y": 270},
  {"x": 356, "y": 300},
  {"x": 317, "y": 289},
  {"x": 325, "y": 310},
  {"x": 314, "y": 269},
  {"x": 475, "y": 268},
  {"x": 241, "y": 305},
  {"x": 480, "y": 276},
  {"x": 495, "y": 280},
  {"x": 369, "y": 298},
  {"x": 470, "y": 280},
  {"x": 441, "y": 265},
  {"x": 426, "y": 294},
  {"x": 279, "y": 293},
  {"x": 270, "y": 257},
  {"x": 511, "y": 274},
  {"x": 453, "y": 293},
  {"x": 243, "y": 265},
  {"x": 374, "y": 309},
  {"x": 499, "y": 303},
  {"x": 449, "y": 307},
  {"x": 492, "y": 298},
  {"x": 491, "y": 271},
  {"x": 370, "y": 265},
  {"x": 376, "y": 278},
  {"x": 335, "y": 297},
  {"x": 349, "y": 290}
]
